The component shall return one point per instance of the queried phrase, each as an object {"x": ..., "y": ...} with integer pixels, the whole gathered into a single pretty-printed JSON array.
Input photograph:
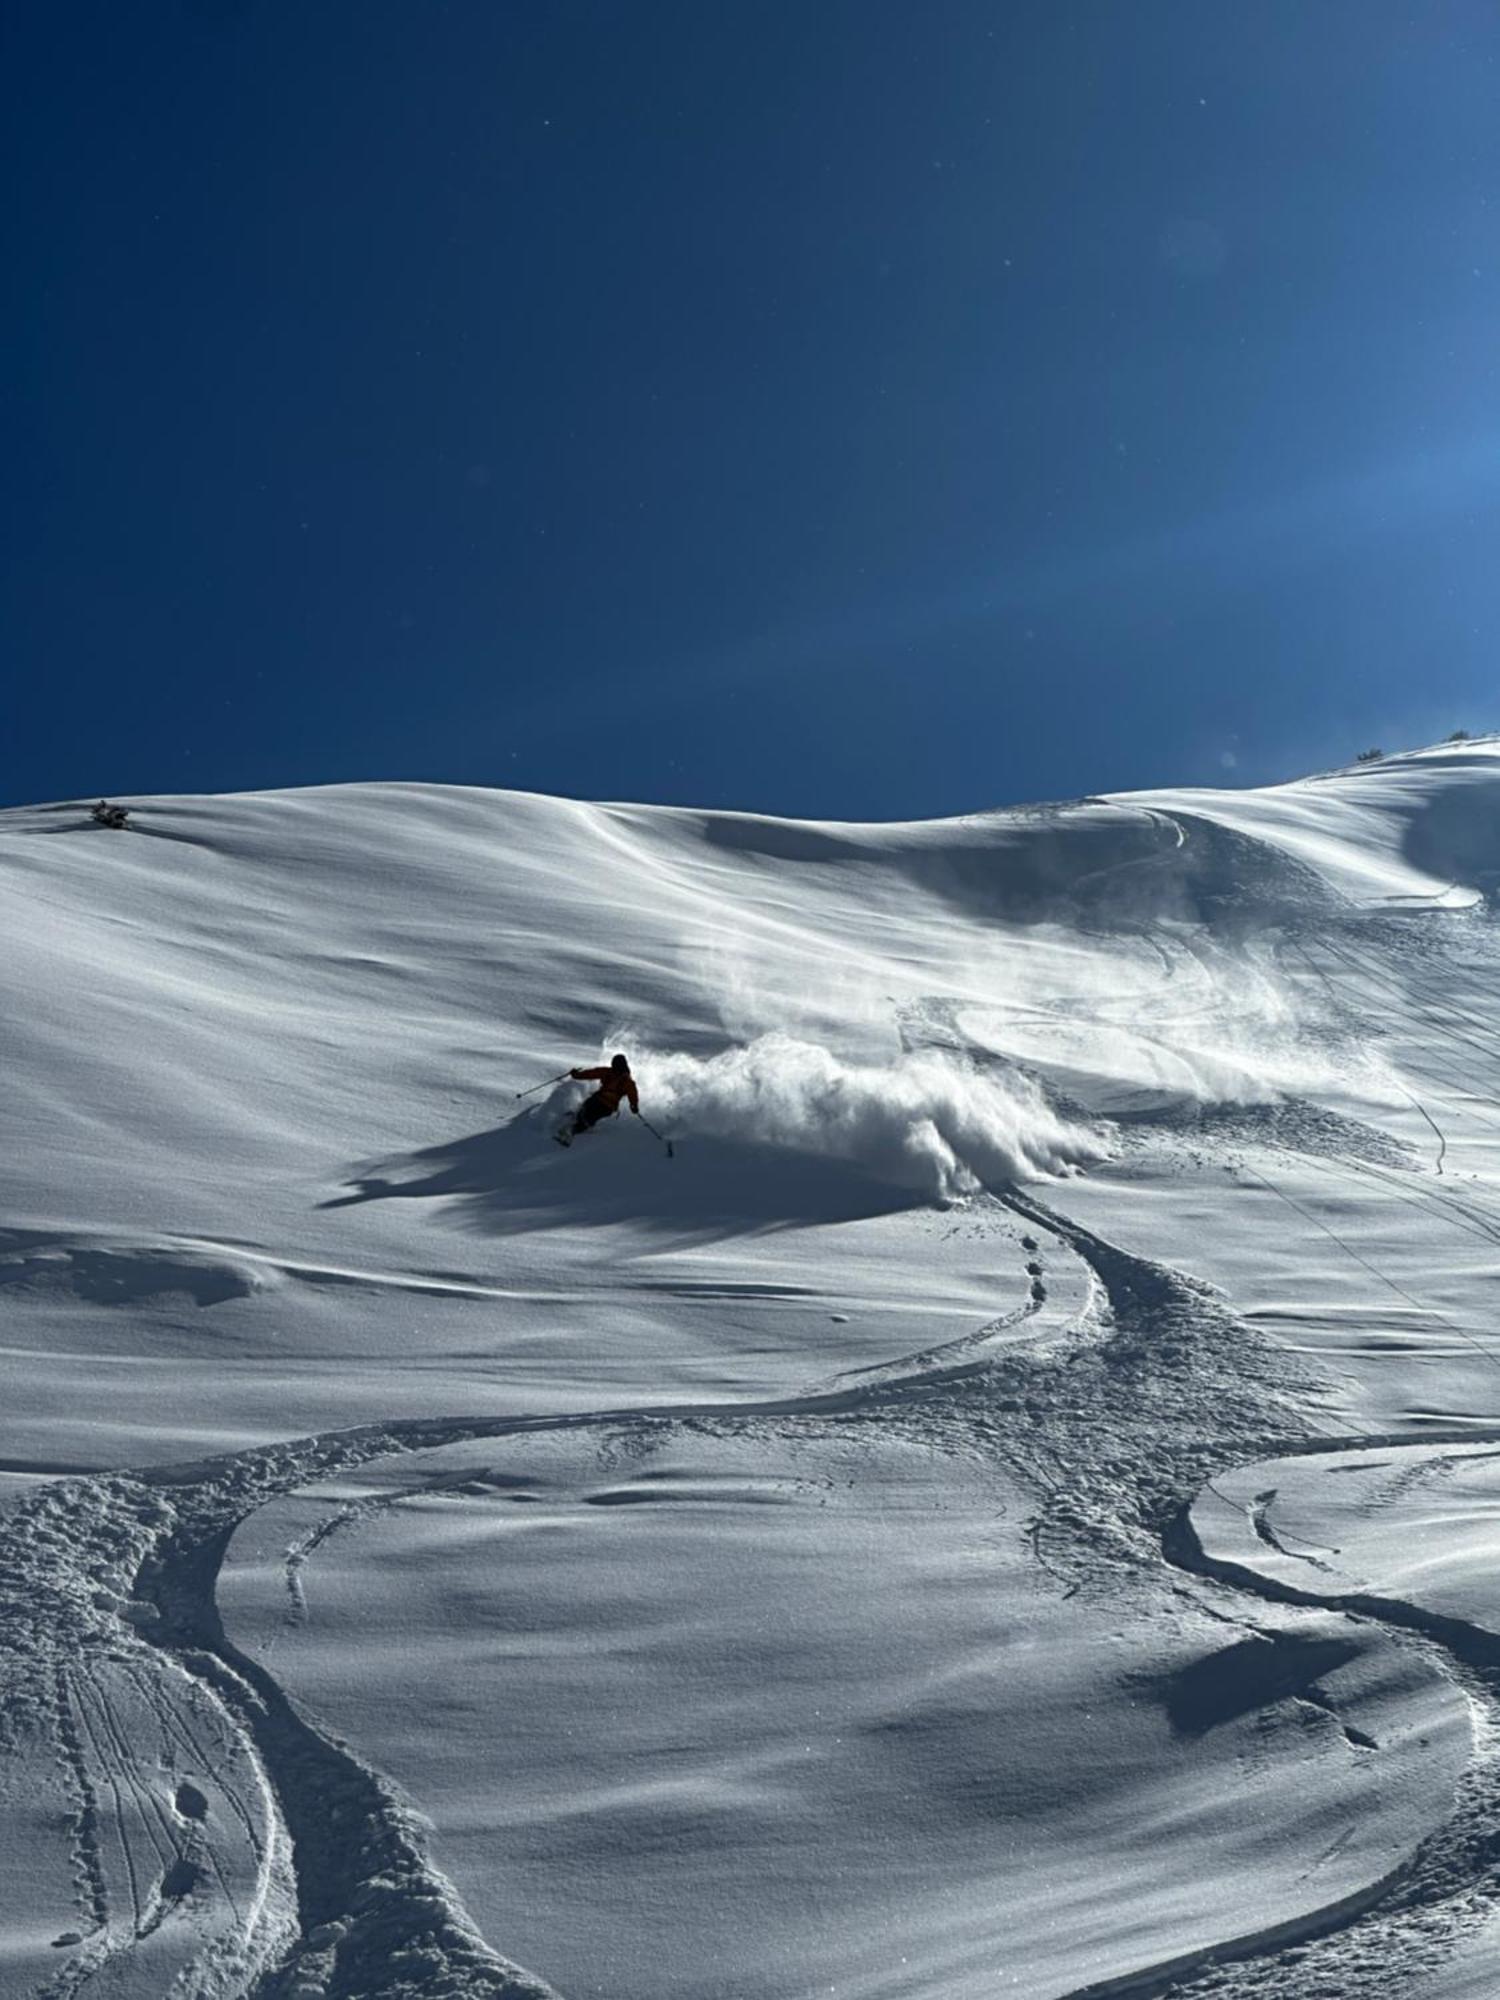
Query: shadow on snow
[{"x": 512, "y": 1178}]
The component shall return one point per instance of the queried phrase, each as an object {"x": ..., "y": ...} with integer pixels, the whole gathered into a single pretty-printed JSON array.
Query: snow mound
[{"x": 921, "y": 1122}]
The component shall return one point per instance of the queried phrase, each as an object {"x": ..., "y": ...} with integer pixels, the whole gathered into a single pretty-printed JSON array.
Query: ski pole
[
  {"x": 657, "y": 1135},
  {"x": 543, "y": 1086}
]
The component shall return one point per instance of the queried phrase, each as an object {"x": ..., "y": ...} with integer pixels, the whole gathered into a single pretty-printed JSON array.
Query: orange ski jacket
[{"x": 613, "y": 1085}]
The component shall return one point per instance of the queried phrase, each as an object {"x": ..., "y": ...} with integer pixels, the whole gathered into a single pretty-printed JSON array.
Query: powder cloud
[{"x": 920, "y": 1122}]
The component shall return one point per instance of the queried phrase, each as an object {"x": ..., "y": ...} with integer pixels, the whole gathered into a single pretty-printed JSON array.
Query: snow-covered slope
[{"x": 842, "y": 1554}]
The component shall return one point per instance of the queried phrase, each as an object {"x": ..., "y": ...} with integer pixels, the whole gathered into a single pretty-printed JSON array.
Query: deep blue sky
[{"x": 855, "y": 408}]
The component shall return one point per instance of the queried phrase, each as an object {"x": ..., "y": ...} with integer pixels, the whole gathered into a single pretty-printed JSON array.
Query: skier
[{"x": 614, "y": 1083}]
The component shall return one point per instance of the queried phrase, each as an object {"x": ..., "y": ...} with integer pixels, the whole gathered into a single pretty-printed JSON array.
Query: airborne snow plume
[{"x": 922, "y": 1122}]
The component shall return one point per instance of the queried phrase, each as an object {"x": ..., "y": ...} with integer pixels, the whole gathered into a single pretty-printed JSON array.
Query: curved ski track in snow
[{"x": 344, "y": 1903}]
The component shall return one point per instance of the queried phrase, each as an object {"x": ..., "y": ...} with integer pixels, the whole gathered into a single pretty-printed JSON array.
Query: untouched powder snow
[{"x": 1004, "y": 1506}]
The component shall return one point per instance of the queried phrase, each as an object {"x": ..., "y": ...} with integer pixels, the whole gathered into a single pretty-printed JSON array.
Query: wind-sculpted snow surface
[
  {"x": 921, "y": 1122},
  {"x": 1002, "y": 1508}
]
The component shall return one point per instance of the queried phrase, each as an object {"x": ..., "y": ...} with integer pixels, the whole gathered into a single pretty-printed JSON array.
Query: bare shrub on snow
[{"x": 920, "y": 1122}]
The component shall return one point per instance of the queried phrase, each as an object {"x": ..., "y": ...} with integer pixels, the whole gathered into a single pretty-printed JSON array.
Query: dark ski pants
[{"x": 590, "y": 1112}]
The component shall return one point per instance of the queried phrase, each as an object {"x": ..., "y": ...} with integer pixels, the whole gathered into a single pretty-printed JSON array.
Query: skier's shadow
[{"x": 512, "y": 1177}]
